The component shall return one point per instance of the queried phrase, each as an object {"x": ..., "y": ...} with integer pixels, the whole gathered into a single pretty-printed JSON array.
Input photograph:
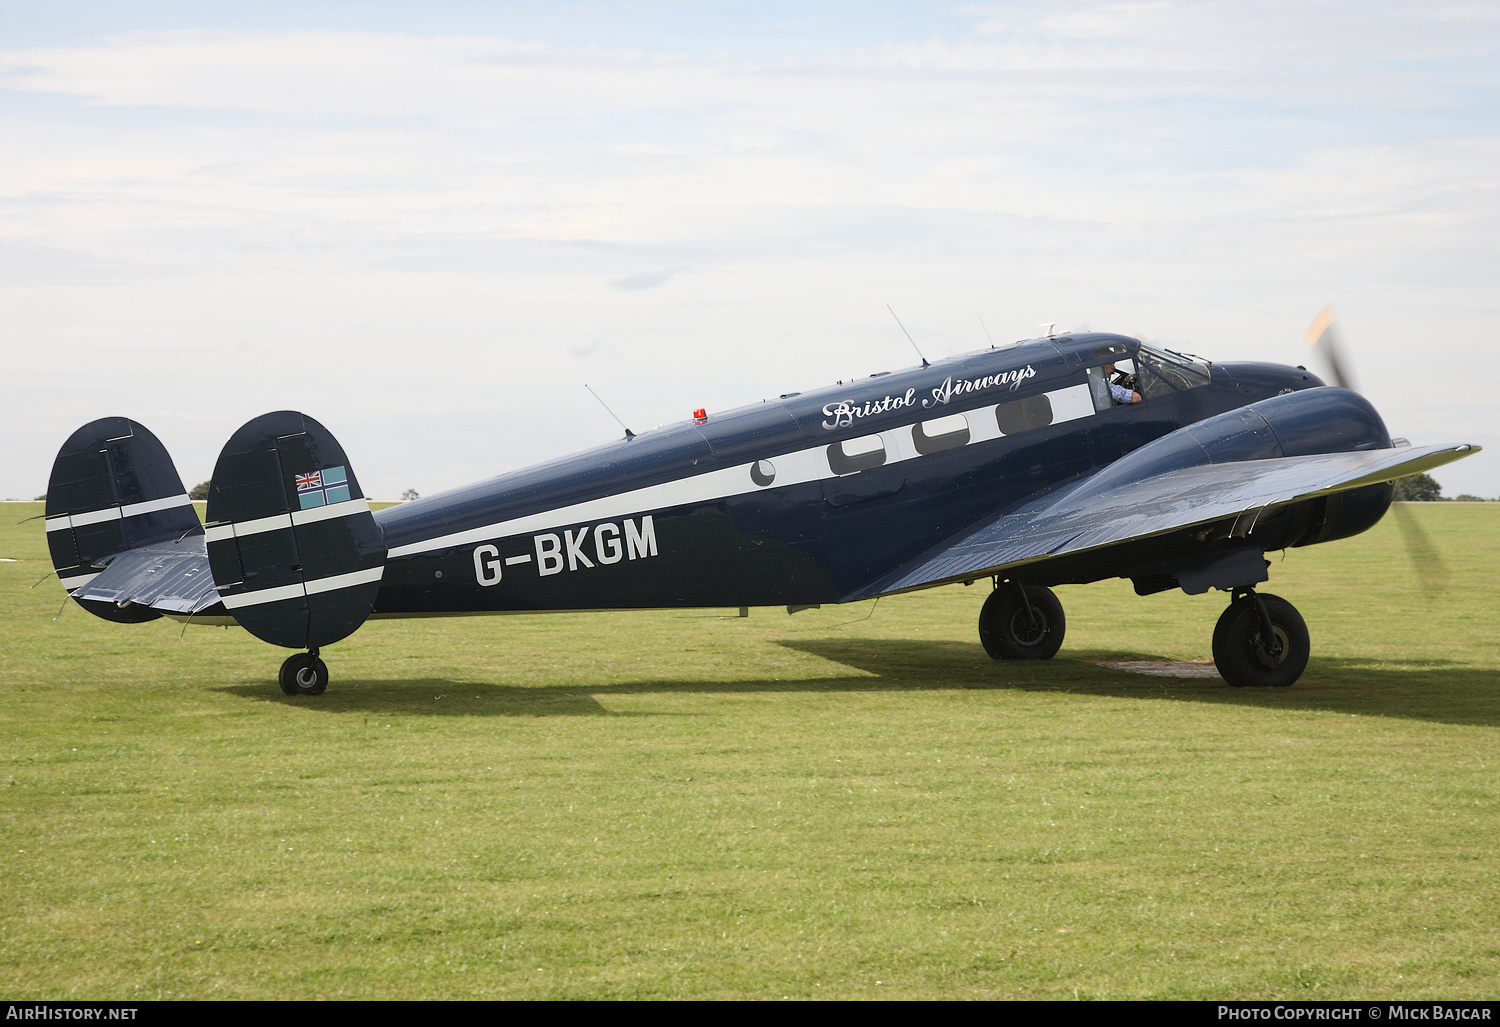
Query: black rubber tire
[
  {"x": 1241, "y": 658},
  {"x": 1005, "y": 629},
  {"x": 303, "y": 674},
  {"x": 1225, "y": 619}
]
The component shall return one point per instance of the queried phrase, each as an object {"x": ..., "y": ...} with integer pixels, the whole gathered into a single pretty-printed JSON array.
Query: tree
[
  {"x": 1418, "y": 488},
  {"x": 409, "y": 495},
  {"x": 200, "y": 491}
]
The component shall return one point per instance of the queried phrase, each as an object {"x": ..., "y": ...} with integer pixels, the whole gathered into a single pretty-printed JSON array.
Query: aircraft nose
[
  {"x": 1307, "y": 380},
  {"x": 1259, "y": 381}
]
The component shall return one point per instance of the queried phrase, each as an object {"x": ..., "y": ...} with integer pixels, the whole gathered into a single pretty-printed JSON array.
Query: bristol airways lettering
[
  {"x": 843, "y": 413},
  {"x": 574, "y": 549},
  {"x": 950, "y": 388}
]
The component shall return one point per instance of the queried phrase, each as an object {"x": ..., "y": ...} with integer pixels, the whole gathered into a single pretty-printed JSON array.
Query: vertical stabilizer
[
  {"x": 296, "y": 554},
  {"x": 113, "y": 489}
]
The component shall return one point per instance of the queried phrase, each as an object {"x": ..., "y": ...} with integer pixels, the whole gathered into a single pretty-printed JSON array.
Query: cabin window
[
  {"x": 762, "y": 472},
  {"x": 859, "y": 454},
  {"x": 940, "y": 433},
  {"x": 1020, "y": 415}
]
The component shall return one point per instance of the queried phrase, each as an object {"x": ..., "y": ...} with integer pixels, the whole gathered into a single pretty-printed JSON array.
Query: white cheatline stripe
[
  {"x": 154, "y": 505},
  {"x": 345, "y": 580},
  {"x": 112, "y": 513},
  {"x": 239, "y": 529},
  {"x": 348, "y": 508},
  {"x": 265, "y": 595},
  {"x": 78, "y": 580},
  {"x": 794, "y": 468},
  {"x": 328, "y": 584},
  {"x": 261, "y": 524}
]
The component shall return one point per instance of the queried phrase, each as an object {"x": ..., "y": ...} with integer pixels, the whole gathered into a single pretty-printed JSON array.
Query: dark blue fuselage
[{"x": 799, "y": 500}]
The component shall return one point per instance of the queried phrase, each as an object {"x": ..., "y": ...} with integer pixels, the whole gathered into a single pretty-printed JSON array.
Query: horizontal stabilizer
[
  {"x": 1084, "y": 516},
  {"x": 172, "y": 577}
]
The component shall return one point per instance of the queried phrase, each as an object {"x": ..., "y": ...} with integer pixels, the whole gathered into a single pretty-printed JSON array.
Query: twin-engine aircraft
[{"x": 1065, "y": 459}]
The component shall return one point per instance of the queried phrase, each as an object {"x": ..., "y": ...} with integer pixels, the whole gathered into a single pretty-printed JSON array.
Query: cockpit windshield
[{"x": 1162, "y": 372}]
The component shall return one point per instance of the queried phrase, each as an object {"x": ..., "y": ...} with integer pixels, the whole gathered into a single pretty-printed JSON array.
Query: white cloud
[{"x": 439, "y": 230}]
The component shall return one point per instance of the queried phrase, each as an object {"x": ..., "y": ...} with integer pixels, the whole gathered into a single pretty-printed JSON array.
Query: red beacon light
[{"x": 700, "y": 416}]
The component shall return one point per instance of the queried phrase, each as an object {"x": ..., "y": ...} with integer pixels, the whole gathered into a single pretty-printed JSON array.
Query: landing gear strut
[
  {"x": 304, "y": 674},
  {"x": 1260, "y": 641},
  {"x": 1021, "y": 622}
]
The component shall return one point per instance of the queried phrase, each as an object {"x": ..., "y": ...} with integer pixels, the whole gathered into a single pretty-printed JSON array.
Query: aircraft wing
[
  {"x": 169, "y": 576},
  {"x": 1080, "y": 517}
]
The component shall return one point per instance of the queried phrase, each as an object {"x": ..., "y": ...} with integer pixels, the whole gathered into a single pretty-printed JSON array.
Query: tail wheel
[
  {"x": 1011, "y": 628},
  {"x": 1248, "y": 656},
  {"x": 303, "y": 674}
]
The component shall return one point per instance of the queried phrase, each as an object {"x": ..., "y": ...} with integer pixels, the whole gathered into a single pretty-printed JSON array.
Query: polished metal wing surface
[
  {"x": 1098, "y": 511},
  {"x": 172, "y": 577}
]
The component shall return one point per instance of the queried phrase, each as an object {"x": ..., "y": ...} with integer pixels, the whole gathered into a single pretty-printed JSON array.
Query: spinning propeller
[{"x": 1325, "y": 339}]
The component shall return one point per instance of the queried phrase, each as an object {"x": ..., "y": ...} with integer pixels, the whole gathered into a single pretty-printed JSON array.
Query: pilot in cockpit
[{"x": 1119, "y": 389}]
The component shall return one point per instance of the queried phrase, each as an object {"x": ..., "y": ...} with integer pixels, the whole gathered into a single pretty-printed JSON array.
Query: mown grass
[{"x": 851, "y": 802}]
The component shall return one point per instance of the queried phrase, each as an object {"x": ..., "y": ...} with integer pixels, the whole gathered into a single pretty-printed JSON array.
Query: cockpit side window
[{"x": 1108, "y": 389}]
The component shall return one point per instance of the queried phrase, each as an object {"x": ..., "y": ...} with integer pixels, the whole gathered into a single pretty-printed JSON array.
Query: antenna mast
[
  {"x": 908, "y": 337},
  {"x": 987, "y": 334},
  {"x": 628, "y": 433}
]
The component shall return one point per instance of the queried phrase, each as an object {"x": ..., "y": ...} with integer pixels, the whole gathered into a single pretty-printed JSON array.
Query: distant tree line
[{"x": 1420, "y": 488}]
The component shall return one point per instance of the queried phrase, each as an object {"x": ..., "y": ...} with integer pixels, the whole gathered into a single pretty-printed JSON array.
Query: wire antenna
[
  {"x": 628, "y": 433},
  {"x": 987, "y": 334},
  {"x": 908, "y": 337}
]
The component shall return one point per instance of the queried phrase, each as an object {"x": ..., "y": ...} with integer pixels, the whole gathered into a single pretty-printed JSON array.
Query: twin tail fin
[
  {"x": 296, "y": 555},
  {"x": 291, "y": 551},
  {"x": 114, "y": 490}
]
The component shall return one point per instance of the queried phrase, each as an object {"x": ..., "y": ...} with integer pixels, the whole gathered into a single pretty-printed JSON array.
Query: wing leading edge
[{"x": 1086, "y": 516}]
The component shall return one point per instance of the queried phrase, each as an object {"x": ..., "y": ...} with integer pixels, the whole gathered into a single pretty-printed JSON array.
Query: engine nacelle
[{"x": 1304, "y": 423}]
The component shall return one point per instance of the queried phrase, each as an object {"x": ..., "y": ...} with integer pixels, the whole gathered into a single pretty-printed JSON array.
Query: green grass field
[{"x": 850, "y": 802}]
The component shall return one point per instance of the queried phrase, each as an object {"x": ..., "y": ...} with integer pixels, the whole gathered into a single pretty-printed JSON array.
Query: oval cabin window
[
  {"x": 1024, "y": 414},
  {"x": 940, "y": 433},
  {"x": 859, "y": 454},
  {"x": 762, "y": 473}
]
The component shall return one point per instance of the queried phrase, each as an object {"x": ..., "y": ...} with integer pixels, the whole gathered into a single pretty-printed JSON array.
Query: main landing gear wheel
[
  {"x": 1261, "y": 641},
  {"x": 1022, "y": 622},
  {"x": 304, "y": 674}
]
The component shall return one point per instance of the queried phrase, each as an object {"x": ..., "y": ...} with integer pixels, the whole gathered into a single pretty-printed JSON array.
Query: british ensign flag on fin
[{"x": 323, "y": 488}]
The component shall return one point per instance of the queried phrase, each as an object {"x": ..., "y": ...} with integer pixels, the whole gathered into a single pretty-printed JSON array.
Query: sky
[{"x": 429, "y": 226}]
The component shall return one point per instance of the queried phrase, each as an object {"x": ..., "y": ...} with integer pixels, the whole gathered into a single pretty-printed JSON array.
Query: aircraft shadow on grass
[{"x": 1440, "y": 691}]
